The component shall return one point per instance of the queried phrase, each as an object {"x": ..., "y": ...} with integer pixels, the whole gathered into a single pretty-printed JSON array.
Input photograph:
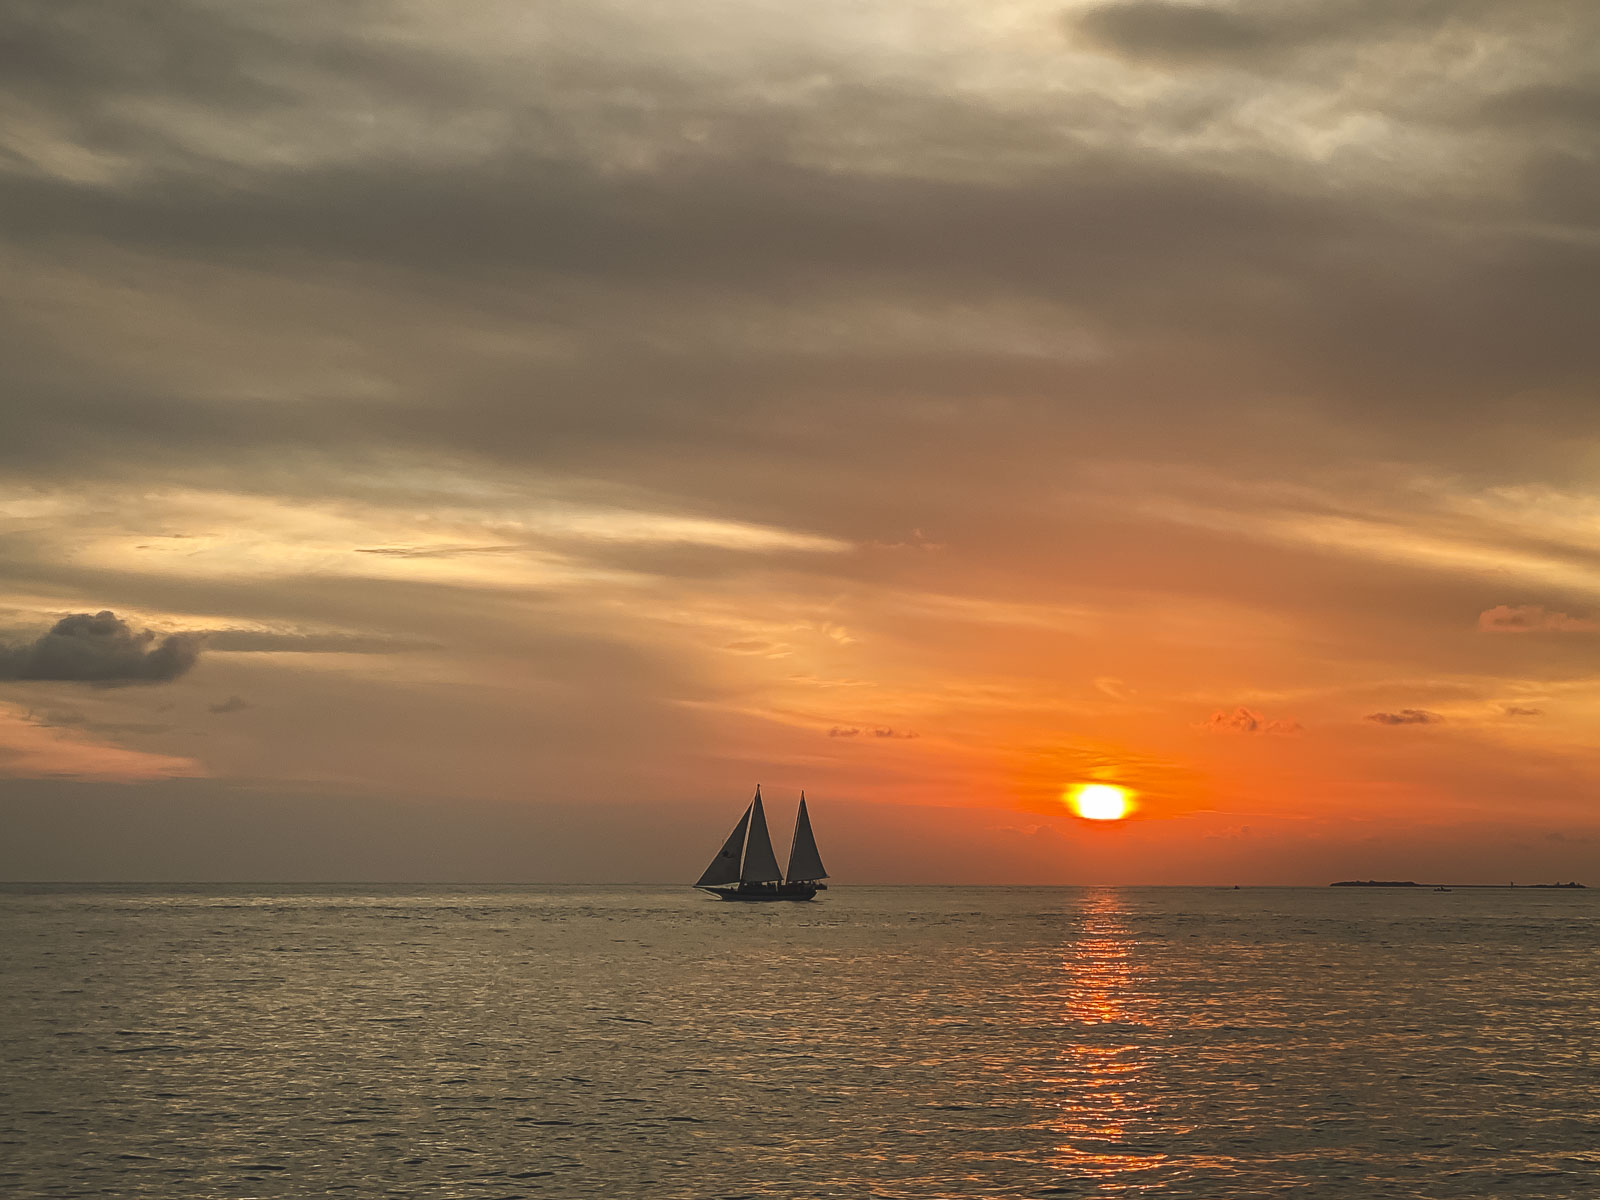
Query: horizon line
[{"x": 690, "y": 887}]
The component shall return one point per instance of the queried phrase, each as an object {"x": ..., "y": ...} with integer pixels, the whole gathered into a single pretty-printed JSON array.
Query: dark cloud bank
[
  {"x": 1417, "y": 311},
  {"x": 100, "y": 648}
]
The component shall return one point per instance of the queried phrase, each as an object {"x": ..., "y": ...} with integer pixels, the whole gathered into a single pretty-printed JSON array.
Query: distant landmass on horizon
[{"x": 1406, "y": 883}]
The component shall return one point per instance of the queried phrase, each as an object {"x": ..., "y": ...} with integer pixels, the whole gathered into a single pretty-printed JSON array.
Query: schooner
[{"x": 747, "y": 869}]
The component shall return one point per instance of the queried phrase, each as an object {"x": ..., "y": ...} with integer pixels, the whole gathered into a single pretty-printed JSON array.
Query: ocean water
[{"x": 884, "y": 1042}]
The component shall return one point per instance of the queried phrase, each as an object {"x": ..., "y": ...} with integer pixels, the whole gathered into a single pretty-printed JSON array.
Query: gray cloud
[
  {"x": 1544, "y": 105},
  {"x": 232, "y": 704},
  {"x": 1176, "y": 32},
  {"x": 100, "y": 64},
  {"x": 68, "y": 718},
  {"x": 1406, "y": 716},
  {"x": 1165, "y": 31},
  {"x": 101, "y": 649},
  {"x": 1367, "y": 305},
  {"x": 1446, "y": 292}
]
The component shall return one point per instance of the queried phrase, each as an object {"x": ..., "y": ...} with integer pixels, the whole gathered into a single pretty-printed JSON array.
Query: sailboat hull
[{"x": 765, "y": 891}]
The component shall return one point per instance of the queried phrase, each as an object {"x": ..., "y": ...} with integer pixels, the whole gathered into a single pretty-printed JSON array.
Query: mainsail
[
  {"x": 805, "y": 864},
  {"x": 724, "y": 867},
  {"x": 760, "y": 863}
]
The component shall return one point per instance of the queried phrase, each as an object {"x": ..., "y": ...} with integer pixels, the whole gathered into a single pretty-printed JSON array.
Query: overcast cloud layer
[{"x": 588, "y": 412}]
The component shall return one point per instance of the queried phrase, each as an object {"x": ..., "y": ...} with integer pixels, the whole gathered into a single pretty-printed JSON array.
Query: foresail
[
  {"x": 760, "y": 863},
  {"x": 804, "y": 861},
  {"x": 724, "y": 867}
]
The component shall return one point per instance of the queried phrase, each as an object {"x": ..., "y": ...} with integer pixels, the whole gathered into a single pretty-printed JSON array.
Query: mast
[
  {"x": 805, "y": 864},
  {"x": 760, "y": 863},
  {"x": 724, "y": 867}
]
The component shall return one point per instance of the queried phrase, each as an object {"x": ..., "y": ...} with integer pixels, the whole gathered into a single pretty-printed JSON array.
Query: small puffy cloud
[
  {"x": 1532, "y": 618},
  {"x": 882, "y": 732},
  {"x": 101, "y": 649},
  {"x": 843, "y": 731},
  {"x": 1406, "y": 716},
  {"x": 232, "y": 704},
  {"x": 1243, "y": 720},
  {"x": 878, "y": 731}
]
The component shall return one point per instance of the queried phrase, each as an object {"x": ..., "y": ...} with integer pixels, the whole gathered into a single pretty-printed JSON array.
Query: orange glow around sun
[{"x": 1099, "y": 801}]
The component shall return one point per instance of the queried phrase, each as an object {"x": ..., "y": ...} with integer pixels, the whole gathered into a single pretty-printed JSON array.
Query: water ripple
[{"x": 898, "y": 1043}]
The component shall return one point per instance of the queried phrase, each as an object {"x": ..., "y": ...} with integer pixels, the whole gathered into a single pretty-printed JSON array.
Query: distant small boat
[
  {"x": 747, "y": 869},
  {"x": 1441, "y": 889}
]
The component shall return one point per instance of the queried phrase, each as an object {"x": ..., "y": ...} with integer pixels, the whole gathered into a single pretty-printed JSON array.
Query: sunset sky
[{"x": 534, "y": 425}]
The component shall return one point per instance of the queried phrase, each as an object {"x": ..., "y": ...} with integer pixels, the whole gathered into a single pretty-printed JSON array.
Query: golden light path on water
[{"x": 1102, "y": 1110}]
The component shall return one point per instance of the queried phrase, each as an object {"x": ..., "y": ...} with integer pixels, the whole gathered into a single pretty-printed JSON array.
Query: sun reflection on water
[{"x": 1106, "y": 1113}]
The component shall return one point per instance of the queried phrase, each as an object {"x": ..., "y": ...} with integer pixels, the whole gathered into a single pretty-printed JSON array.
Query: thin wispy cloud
[{"x": 1532, "y": 618}]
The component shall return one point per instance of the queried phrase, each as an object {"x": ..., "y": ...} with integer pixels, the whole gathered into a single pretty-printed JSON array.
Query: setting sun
[{"x": 1099, "y": 801}]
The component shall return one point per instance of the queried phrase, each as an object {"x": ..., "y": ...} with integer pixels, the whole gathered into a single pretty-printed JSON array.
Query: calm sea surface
[{"x": 888, "y": 1042}]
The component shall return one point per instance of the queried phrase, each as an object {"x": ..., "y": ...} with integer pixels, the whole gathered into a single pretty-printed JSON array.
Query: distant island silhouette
[
  {"x": 1414, "y": 883},
  {"x": 1376, "y": 883}
]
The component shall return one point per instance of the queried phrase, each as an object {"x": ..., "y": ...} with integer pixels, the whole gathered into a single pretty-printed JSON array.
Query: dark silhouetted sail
[
  {"x": 805, "y": 864},
  {"x": 760, "y": 863},
  {"x": 724, "y": 867}
]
